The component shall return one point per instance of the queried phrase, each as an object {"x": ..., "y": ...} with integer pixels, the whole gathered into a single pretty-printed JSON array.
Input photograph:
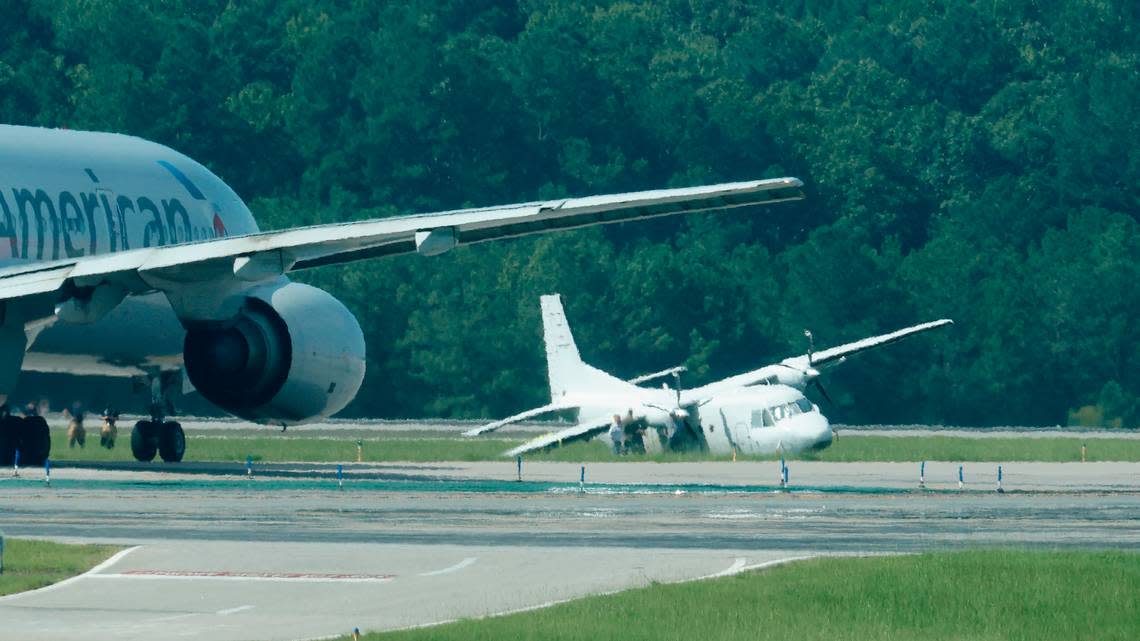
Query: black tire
[
  {"x": 171, "y": 442},
  {"x": 35, "y": 441},
  {"x": 9, "y": 439},
  {"x": 143, "y": 442}
]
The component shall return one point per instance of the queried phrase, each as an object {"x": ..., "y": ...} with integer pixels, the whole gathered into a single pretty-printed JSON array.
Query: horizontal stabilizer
[
  {"x": 521, "y": 416},
  {"x": 579, "y": 432},
  {"x": 681, "y": 369}
]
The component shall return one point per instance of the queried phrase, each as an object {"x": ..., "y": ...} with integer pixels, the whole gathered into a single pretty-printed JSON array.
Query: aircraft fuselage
[
  {"x": 757, "y": 421},
  {"x": 69, "y": 194}
]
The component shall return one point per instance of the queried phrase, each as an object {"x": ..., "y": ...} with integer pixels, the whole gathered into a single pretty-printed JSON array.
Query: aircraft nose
[{"x": 825, "y": 435}]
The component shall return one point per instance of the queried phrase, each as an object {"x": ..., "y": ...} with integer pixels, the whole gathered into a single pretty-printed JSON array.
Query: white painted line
[
  {"x": 174, "y": 617},
  {"x": 229, "y": 611},
  {"x": 736, "y": 566},
  {"x": 541, "y": 606},
  {"x": 469, "y": 561},
  {"x": 265, "y": 579},
  {"x": 115, "y": 558},
  {"x": 768, "y": 564}
]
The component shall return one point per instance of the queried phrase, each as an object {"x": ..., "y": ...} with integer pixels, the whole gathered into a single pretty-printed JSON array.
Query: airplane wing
[
  {"x": 521, "y": 416},
  {"x": 835, "y": 355},
  {"x": 267, "y": 255},
  {"x": 580, "y": 432},
  {"x": 797, "y": 371}
]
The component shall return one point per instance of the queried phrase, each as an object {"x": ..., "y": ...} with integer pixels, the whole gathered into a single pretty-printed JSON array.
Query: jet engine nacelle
[{"x": 294, "y": 353}]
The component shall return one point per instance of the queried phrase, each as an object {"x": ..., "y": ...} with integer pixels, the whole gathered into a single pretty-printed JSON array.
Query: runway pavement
[
  {"x": 288, "y": 554},
  {"x": 232, "y": 590}
]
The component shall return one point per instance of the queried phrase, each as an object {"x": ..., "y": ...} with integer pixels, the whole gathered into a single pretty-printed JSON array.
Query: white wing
[
  {"x": 803, "y": 368},
  {"x": 521, "y": 416},
  {"x": 580, "y": 432},
  {"x": 267, "y": 255},
  {"x": 835, "y": 355}
]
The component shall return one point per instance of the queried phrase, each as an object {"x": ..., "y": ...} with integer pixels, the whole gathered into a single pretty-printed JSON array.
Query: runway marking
[
  {"x": 455, "y": 568},
  {"x": 93, "y": 572},
  {"x": 768, "y": 564},
  {"x": 736, "y": 566},
  {"x": 226, "y": 575},
  {"x": 548, "y": 604},
  {"x": 229, "y": 611}
]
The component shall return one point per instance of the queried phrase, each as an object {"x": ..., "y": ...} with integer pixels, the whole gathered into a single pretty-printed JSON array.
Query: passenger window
[{"x": 762, "y": 418}]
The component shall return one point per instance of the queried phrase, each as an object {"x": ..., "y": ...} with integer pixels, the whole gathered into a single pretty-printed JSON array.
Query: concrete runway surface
[{"x": 289, "y": 555}]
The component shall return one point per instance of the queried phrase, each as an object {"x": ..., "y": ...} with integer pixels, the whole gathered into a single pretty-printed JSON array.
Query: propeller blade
[{"x": 822, "y": 391}]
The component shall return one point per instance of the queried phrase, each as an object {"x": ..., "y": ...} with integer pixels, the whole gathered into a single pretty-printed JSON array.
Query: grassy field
[
  {"x": 278, "y": 447},
  {"x": 1014, "y": 595},
  {"x": 33, "y": 564}
]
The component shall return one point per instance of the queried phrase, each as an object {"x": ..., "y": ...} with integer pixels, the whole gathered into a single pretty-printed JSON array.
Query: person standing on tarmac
[
  {"x": 109, "y": 433},
  {"x": 76, "y": 433},
  {"x": 617, "y": 435}
]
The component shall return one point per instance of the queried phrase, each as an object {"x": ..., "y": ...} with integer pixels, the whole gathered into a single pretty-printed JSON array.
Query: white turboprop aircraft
[
  {"x": 122, "y": 257},
  {"x": 759, "y": 412}
]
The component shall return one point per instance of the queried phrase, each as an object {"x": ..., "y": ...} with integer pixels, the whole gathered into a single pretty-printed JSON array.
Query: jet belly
[{"x": 142, "y": 333}]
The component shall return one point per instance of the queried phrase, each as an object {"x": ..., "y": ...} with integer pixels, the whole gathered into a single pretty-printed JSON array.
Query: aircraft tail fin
[{"x": 564, "y": 366}]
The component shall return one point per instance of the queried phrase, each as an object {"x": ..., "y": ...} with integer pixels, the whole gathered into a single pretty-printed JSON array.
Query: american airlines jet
[{"x": 122, "y": 257}]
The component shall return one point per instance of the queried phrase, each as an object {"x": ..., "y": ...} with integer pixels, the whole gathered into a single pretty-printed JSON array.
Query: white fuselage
[{"x": 759, "y": 420}]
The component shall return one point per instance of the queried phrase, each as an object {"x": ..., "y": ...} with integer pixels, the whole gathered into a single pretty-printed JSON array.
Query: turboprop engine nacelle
[
  {"x": 797, "y": 378},
  {"x": 294, "y": 353}
]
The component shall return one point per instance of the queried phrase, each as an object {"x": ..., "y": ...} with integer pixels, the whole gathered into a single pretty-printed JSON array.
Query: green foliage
[{"x": 963, "y": 159}]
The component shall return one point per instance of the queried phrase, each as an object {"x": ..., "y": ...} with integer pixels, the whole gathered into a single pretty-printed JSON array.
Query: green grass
[
  {"x": 1008, "y": 595},
  {"x": 276, "y": 447},
  {"x": 33, "y": 564},
  {"x": 952, "y": 448}
]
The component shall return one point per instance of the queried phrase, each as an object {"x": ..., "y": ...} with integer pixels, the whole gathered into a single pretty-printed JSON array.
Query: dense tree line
[{"x": 973, "y": 160}]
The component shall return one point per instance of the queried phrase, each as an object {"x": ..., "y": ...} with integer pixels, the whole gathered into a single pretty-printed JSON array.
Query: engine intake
[{"x": 294, "y": 353}]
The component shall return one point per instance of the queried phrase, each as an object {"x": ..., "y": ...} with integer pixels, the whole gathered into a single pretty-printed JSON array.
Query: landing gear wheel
[
  {"x": 34, "y": 441},
  {"x": 171, "y": 442},
  {"x": 144, "y": 443},
  {"x": 9, "y": 438}
]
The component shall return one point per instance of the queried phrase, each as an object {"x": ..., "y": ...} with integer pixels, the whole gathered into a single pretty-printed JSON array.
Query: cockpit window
[{"x": 772, "y": 415}]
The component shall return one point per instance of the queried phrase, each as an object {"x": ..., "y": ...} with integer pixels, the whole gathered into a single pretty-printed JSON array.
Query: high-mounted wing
[
  {"x": 580, "y": 432},
  {"x": 266, "y": 255},
  {"x": 797, "y": 371},
  {"x": 835, "y": 355},
  {"x": 521, "y": 416}
]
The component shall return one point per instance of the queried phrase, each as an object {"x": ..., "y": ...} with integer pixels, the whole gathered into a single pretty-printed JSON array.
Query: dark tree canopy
[{"x": 973, "y": 160}]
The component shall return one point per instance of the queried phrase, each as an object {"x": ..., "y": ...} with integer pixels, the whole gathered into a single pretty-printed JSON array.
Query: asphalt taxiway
[{"x": 291, "y": 553}]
